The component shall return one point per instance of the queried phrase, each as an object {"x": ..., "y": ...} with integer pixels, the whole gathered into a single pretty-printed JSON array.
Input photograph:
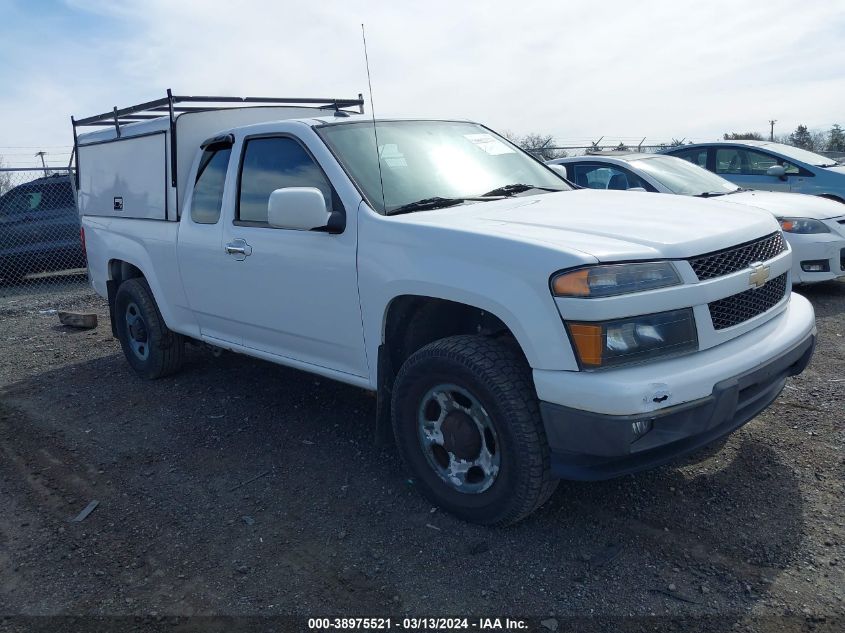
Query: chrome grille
[
  {"x": 736, "y": 258},
  {"x": 747, "y": 304}
]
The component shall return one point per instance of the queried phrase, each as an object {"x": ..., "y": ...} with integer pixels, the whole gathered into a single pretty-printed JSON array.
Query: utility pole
[
  {"x": 43, "y": 164},
  {"x": 772, "y": 133}
]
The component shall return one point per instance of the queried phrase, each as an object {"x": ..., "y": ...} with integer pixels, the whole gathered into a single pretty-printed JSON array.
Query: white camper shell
[{"x": 138, "y": 165}]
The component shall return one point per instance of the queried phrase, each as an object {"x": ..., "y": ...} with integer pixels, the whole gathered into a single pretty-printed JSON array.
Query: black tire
[
  {"x": 497, "y": 376},
  {"x": 161, "y": 351}
]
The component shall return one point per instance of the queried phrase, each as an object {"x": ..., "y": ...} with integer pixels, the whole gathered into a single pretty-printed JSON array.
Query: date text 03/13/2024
[{"x": 417, "y": 624}]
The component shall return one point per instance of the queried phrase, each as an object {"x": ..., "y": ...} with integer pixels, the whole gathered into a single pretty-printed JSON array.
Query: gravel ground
[{"x": 242, "y": 488}]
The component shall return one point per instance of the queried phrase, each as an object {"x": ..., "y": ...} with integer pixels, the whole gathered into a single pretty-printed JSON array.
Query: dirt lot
[{"x": 242, "y": 488}]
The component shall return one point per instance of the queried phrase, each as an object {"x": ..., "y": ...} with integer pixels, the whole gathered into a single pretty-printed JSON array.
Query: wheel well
[
  {"x": 830, "y": 196},
  {"x": 119, "y": 271},
  {"x": 413, "y": 322}
]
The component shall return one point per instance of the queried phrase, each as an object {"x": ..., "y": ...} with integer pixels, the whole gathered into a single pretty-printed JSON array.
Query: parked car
[
  {"x": 814, "y": 227},
  {"x": 39, "y": 228},
  {"x": 768, "y": 166},
  {"x": 515, "y": 330}
]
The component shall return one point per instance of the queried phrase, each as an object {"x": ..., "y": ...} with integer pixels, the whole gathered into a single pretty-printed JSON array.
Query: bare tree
[
  {"x": 742, "y": 136},
  {"x": 5, "y": 178},
  {"x": 541, "y": 145},
  {"x": 820, "y": 140}
]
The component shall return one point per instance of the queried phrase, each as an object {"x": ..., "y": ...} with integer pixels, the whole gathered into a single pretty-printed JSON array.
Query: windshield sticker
[
  {"x": 489, "y": 144},
  {"x": 392, "y": 157}
]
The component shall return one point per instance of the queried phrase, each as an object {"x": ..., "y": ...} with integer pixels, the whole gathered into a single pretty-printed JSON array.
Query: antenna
[{"x": 373, "y": 110}]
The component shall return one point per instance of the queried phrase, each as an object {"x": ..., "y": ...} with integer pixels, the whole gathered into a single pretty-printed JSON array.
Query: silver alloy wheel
[
  {"x": 136, "y": 331},
  {"x": 458, "y": 439}
]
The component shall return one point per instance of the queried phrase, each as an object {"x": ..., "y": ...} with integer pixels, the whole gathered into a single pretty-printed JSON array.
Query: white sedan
[{"x": 813, "y": 226}]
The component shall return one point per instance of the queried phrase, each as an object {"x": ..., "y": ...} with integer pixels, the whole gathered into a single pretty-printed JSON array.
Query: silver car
[
  {"x": 768, "y": 166},
  {"x": 814, "y": 228}
]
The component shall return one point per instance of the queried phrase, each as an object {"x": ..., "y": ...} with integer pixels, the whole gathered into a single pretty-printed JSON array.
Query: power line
[{"x": 32, "y": 146}]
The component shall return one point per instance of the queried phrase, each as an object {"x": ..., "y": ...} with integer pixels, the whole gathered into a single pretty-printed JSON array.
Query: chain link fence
[{"x": 40, "y": 245}]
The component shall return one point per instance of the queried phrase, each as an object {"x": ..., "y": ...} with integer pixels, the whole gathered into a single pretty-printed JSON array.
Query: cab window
[
  {"x": 276, "y": 163},
  {"x": 208, "y": 188}
]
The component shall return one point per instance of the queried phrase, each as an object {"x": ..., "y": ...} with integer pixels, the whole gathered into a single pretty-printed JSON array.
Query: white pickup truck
[{"x": 517, "y": 330}]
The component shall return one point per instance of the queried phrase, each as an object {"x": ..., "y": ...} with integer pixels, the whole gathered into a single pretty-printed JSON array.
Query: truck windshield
[
  {"x": 434, "y": 164},
  {"x": 682, "y": 177}
]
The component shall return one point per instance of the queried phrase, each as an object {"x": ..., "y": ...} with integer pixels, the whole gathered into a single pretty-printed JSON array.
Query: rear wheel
[
  {"x": 151, "y": 348},
  {"x": 468, "y": 426}
]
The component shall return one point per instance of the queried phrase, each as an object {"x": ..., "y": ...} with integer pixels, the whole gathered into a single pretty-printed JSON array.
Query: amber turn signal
[
  {"x": 589, "y": 342},
  {"x": 574, "y": 284}
]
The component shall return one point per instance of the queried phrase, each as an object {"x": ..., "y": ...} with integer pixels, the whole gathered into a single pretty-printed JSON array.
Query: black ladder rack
[{"x": 167, "y": 106}]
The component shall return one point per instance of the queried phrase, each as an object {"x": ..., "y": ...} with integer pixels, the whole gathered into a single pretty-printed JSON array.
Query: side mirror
[
  {"x": 301, "y": 208},
  {"x": 560, "y": 169},
  {"x": 777, "y": 171}
]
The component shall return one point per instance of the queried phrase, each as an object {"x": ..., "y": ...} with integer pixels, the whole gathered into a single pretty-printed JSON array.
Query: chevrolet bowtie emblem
[{"x": 759, "y": 275}]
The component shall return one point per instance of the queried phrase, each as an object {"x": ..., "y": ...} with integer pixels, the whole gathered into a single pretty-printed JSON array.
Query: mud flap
[
  {"x": 111, "y": 290},
  {"x": 386, "y": 377}
]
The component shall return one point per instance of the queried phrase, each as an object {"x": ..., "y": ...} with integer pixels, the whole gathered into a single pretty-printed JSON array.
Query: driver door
[{"x": 291, "y": 293}]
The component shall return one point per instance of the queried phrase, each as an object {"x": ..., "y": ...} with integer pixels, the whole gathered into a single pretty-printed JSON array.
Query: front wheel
[
  {"x": 151, "y": 348},
  {"x": 468, "y": 426}
]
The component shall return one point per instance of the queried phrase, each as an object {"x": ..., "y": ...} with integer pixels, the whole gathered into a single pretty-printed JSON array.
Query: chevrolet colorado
[{"x": 516, "y": 330}]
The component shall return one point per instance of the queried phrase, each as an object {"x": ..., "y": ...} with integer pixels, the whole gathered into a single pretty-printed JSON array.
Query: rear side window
[
  {"x": 276, "y": 163},
  {"x": 695, "y": 156},
  {"x": 208, "y": 188},
  {"x": 33, "y": 198},
  {"x": 57, "y": 196}
]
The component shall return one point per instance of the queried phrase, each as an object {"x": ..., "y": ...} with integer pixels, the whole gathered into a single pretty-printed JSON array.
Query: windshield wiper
[
  {"x": 710, "y": 194},
  {"x": 510, "y": 190},
  {"x": 436, "y": 202}
]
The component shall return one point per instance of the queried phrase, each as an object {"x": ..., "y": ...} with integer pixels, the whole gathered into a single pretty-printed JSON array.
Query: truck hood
[
  {"x": 792, "y": 205},
  {"x": 609, "y": 225}
]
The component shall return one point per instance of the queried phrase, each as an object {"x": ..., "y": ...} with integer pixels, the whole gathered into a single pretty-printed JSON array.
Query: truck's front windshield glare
[{"x": 433, "y": 164}]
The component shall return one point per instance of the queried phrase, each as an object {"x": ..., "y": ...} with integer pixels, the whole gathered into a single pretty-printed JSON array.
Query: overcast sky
[{"x": 579, "y": 70}]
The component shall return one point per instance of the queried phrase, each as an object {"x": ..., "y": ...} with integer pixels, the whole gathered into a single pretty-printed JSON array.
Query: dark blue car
[{"x": 39, "y": 228}]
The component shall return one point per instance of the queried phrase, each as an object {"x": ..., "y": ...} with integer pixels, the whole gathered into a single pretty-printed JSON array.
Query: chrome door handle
[{"x": 239, "y": 249}]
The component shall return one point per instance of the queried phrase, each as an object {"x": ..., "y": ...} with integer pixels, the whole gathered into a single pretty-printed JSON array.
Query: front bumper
[
  {"x": 593, "y": 446},
  {"x": 828, "y": 248}
]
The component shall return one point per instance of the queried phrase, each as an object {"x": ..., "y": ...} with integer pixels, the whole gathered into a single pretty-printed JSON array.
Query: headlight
[
  {"x": 614, "y": 279},
  {"x": 634, "y": 339},
  {"x": 803, "y": 225}
]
